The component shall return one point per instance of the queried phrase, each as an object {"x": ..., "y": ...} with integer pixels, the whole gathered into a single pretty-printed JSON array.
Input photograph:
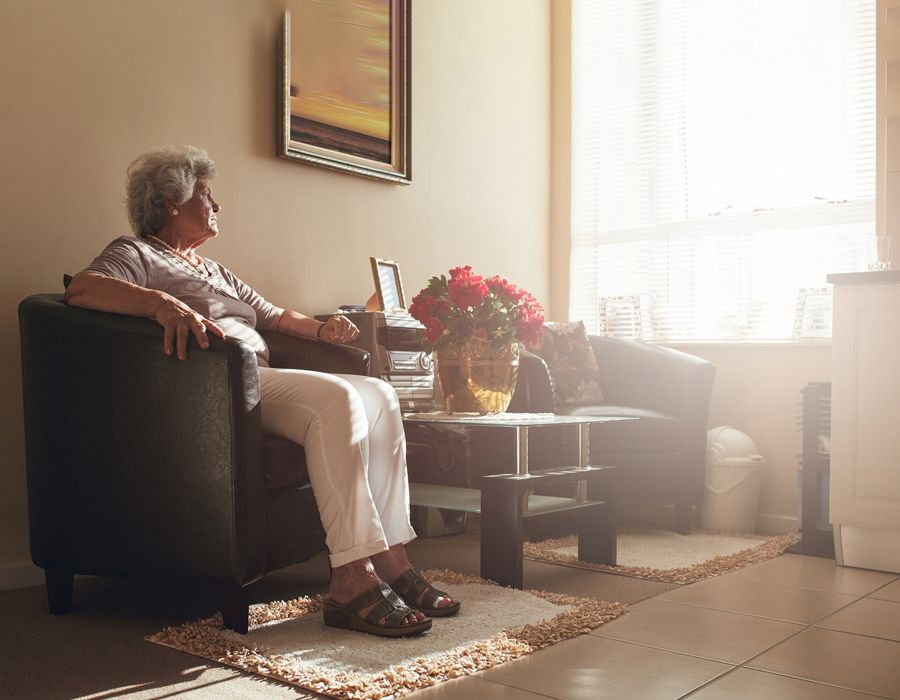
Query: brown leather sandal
[
  {"x": 387, "y": 606},
  {"x": 421, "y": 595}
]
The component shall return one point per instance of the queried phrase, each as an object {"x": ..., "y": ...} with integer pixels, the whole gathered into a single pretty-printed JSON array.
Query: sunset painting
[{"x": 342, "y": 100}]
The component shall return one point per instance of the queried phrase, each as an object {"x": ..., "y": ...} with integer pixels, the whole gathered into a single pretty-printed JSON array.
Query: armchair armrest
[
  {"x": 534, "y": 390},
  {"x": 648, "y": 376},
  {"x": 158, "y": 461},
  {"x": 301, "y": 353}
]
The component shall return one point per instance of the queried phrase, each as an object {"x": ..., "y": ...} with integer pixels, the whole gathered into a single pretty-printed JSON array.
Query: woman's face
[{"x": 197, "y": 216}]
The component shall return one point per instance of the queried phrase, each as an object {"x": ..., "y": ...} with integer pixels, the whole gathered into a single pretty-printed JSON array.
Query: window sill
[{"x": 737, "y": 344}]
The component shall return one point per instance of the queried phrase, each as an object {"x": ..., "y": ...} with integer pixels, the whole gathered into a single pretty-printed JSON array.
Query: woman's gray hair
[{"x": 159, "y": 176}]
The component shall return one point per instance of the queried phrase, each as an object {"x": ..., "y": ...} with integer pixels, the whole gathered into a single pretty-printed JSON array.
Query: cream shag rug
[
  {"x": 288, "y": 640},
  {"x": 661, "y": 555}
]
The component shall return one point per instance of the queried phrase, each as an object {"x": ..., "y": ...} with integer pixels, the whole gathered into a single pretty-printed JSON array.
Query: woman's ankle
[
  {"x": 391, "y": 563},
  {"x": 351, "y": 579}
]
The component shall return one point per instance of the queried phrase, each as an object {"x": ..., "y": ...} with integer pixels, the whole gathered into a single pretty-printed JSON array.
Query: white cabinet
[{"x": 865, "y": 420}]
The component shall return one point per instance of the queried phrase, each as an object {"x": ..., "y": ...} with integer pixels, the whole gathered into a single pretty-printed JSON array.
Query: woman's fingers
[
  {"x": 169, "y": 338},
  {"x": 182, "y": 332},
  {"x": 179, "y": 322},
  {"x": 213, "y": 328},
  {"x": 342, "y": 329},
  {"x": 199, "y": 330}
]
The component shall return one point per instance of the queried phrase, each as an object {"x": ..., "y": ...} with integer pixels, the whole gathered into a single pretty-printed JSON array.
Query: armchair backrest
[{"x": 634, "y": 373}]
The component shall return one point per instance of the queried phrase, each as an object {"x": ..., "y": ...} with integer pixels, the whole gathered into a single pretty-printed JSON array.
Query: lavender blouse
[{"x": 221, "y": 297}]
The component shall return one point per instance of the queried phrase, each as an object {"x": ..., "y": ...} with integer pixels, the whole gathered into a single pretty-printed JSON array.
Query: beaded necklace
[
  {"x": 215, "y": 281},
  {"x": 198, "y": 267}
]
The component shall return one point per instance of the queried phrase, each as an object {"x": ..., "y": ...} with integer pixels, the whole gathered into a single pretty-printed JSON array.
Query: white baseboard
[
  {"x": 20, "y": 575},
  {"x": 772, "y": 524}
]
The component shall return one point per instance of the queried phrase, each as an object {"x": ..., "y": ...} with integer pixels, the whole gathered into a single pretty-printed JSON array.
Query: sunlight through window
[{"x": 723, "y": 160}]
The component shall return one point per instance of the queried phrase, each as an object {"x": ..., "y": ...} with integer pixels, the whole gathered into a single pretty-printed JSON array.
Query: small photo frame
[{"x": 388, "y": 286}]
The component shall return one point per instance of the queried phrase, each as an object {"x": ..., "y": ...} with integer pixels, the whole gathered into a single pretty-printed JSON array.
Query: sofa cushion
[
  {"x": 573, "y": 368},
  {"x": 284, "y": 462},
  {"x": 651, "y": 432}
]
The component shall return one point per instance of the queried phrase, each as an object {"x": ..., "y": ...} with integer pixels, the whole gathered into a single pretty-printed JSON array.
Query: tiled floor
[{"x": 793, "y": 627}]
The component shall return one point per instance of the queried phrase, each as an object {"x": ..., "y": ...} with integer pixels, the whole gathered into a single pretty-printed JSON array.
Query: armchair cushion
[{"x": 573, "y": 368}]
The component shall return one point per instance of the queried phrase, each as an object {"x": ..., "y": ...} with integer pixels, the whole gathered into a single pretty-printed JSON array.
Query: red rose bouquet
[{"x": 468, "y": 310}]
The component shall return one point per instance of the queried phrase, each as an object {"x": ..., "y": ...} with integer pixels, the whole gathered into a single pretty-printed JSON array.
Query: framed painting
[{"x": 345, "y": 92}]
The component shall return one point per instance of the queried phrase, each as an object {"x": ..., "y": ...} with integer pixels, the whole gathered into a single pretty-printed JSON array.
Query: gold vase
[{"x": 478, "y": 378}]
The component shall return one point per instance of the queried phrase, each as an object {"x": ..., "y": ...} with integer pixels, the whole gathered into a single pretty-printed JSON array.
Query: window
[{"x": 723, "y": 161}]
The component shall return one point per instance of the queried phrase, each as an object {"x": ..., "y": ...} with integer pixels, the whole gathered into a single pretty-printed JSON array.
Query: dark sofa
[{"x": 139, "y": 464}]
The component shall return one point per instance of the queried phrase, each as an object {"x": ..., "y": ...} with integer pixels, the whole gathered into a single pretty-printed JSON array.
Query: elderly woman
[{"x": 350, "y": 425}]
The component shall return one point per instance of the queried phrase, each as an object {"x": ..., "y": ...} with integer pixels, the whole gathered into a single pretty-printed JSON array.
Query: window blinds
[{"x": 723, "y": 162}]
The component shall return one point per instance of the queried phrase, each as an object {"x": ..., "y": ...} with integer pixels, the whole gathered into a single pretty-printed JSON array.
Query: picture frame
[
  {"x": 388, "y": 285},
  {"x": 346, "y": 87}
]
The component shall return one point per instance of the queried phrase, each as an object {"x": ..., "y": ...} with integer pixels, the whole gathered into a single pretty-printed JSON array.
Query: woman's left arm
[{"x": 337, "y": 329}]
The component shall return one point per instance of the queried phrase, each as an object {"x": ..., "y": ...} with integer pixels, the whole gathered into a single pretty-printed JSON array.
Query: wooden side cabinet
[{"x": 865, "y": 420}]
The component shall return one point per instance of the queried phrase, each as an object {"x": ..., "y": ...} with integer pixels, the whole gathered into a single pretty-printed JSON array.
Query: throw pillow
[{"x": 574, "y": 374}]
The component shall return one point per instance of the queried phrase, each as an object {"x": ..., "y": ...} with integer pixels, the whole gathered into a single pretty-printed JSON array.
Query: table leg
[
  {"x": 501, "y": 531},
  {"x": 597, "y": 526}
]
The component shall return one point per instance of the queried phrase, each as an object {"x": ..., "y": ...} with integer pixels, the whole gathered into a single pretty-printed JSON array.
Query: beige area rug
[
  {"x": 288, "y": 640},
  {"x": 662, "y": 555}
]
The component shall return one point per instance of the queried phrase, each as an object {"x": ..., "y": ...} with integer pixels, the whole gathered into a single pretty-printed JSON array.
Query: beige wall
[
  {"x": 757, "y": 390},
  {"x": 90, "y": 84}
]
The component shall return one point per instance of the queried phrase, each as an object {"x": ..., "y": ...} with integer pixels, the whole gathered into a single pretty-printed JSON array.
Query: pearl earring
[{"x": 174, "y": 212}]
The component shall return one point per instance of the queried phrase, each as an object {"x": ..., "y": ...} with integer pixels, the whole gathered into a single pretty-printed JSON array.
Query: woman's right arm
[{"x": 91, "y": 290}]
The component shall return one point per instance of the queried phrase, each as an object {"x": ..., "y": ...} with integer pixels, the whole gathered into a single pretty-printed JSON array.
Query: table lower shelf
[
  {"x": 506, "y": 501},
  {"x": 469, "y": 500}
]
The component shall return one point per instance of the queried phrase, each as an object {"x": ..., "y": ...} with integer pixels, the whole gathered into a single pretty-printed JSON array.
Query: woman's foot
[
  {"x": 351, "y": 580},
  {"x": 393, "y": 566}
]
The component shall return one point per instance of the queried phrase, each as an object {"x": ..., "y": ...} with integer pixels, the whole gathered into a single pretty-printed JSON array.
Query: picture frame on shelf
[
  {"x": 388, "y": 285},
  {"x": 346, "y": 86}
]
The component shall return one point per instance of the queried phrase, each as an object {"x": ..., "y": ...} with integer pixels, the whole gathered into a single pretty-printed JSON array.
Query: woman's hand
[
  {"x": 179, "y": 321},
  {"x": 338, "y": 329}
]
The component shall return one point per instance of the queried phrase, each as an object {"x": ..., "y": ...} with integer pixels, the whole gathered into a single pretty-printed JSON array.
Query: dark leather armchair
[
  {"x": 660, "y": 457},
  {"x": 142, "y": 465}
]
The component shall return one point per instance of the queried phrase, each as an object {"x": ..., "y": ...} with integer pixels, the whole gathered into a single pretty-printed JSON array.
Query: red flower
[
  {"x": 504, "y": 289},
  {"x": 433, "y": 330},
  {"x": 466, "y": 289},
  {"x": 470, "y": 309},
  {"x": 425, "y": 307}
]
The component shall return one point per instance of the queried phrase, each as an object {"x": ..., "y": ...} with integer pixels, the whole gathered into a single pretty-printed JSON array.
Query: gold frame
[
  {"x": 399, "y": 169},
  {"x": 378, "y": 264}
]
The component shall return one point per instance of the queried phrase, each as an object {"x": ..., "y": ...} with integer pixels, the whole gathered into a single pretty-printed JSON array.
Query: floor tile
[
  {"x": 593, "y": 668},
  {"x": 474, "y": 688},
  {"x": 814, "y": 572},
  {"x": 592, "y": 584},
  {"x": 743, "y": 684},
  {"x": 773, "y": 600},
  {"x": 689, "y": 629},
  {"x": 889, "y": 592},
  {"x": 837, "y": 658},
  {"x": 869, "y": 616}
]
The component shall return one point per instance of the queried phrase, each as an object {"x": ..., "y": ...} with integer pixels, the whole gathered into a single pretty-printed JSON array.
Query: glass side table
[{"x": 506, "y": 500}]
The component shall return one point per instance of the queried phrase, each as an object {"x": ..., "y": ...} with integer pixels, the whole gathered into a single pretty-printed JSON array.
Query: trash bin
[{"x": 733, "y": 476}]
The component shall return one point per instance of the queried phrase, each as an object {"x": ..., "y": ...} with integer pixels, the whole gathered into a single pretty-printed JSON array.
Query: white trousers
[{"x": 352, "y": 431}]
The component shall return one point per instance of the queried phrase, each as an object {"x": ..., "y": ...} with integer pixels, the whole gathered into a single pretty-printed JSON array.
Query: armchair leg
[
  {"x": 684, "y": 518},
  {"x": 59, "y": 591},
  {"x": 235, "y": 607}
]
